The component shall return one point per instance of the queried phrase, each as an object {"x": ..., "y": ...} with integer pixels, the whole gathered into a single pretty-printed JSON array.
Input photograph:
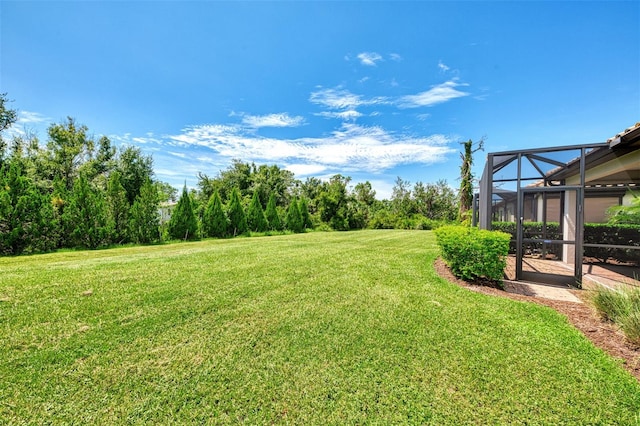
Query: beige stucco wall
[
  {"x": 625, "y": 162},
  {"x": 595, "y": 209}
]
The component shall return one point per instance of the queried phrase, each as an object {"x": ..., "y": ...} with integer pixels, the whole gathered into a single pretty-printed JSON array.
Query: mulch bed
[{"x": 583, "y": 316}]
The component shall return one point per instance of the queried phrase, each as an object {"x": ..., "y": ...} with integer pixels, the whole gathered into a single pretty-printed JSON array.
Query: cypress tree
[
  {"x": 294, "y": 219},
  {"x": 215, "y": 222},
  {"x": 304, "y": 214},
  {"x": 144, "y": 219},
  {"x": 25, "y": 214},
  {"x": 12, "y": 190},
  {"x": 272, "y": 214},
  {"x": 183, "y": 224},
  {"x": 86, "y": 215},
  {"x": 255, "y": 216},
  {"x": 235, "y": 212},
  {"x": 117, "y": 209}
]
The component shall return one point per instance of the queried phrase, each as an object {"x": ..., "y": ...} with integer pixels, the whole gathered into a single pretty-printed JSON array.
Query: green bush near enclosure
[{"x": 472, "y": 253}]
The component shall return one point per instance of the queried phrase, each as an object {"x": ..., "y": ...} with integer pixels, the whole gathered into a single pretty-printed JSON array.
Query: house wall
[{"x": 595, "y": 209}]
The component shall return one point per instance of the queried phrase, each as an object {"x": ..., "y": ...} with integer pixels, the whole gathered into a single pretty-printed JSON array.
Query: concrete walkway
[
  {"x": 546, "y": 291},
  {"x": 554, "y": 280}
]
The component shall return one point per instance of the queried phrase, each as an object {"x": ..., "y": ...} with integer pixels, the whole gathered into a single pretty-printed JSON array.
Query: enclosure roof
[
  {"x": 621, "y": 144},
  {"x": 596, "y": 154}
]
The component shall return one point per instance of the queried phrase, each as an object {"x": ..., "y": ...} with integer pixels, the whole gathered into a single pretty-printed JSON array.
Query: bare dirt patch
[{"x": 583, "y": 316}]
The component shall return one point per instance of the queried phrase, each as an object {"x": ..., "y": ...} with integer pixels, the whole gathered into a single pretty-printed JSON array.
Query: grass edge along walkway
[{"x": 314, "y": 328}]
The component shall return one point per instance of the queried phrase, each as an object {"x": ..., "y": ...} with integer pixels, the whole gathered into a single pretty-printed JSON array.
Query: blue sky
[{"x": 372, "y": 90}]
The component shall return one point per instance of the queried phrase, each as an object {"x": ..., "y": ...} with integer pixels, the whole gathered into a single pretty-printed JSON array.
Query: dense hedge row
[
  {"x": 472, "y": 253},
  {"x": 621, "y": 235},
  {"x": 594, "y": 233},
  {"x": 533, "y": 230}
]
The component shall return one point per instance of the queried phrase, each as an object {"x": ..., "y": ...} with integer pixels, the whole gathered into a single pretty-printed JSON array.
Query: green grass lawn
[{"x": 319, "y": 328}]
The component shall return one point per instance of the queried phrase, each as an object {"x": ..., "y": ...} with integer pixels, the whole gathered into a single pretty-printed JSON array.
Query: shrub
[
  {"x": 620, "y": 234},
  {"x": 620, "y": 306},
  {"x": 612, "y": 305},
  {"x": 594, "y": 233},
  {"x": 631, "y": 325},
  {"x": 382, "y": 219},
  {"x": 472, "y": 253}
]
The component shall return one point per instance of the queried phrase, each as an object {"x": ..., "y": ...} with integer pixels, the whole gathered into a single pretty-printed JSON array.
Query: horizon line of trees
[{"x": 73, "y": 191}]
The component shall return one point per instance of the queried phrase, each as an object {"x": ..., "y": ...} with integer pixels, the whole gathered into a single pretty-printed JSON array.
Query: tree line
[{"x": 76, "y": 191}]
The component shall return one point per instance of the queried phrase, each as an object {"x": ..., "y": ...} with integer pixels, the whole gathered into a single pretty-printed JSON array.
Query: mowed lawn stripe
[{"x": 312, "y": 328}]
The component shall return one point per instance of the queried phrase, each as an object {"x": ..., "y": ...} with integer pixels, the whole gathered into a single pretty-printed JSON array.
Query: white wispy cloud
[
  {"x": 342, "y": 99},
  {"x": 177, "y": 154},
  {"x": 442, "y": 66},
  {"x": 395, "y": 57},
  {"x": 272, "y": 120},
  {"x": 28, "y": 123},
  {"x": 350, "y": 114},
  {"x": 335, "y": 98},
  {"x": 172, "y": 173},
  {"x": 436, "y": 95},
  {"x": 128, "y": 139},
  {"x": 30, "y": 117},
  {"x": 350, "y": 148},
  {"x": 369, "y": 58}
]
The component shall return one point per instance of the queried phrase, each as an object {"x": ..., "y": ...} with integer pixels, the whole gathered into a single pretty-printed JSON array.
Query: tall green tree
[
  {"x": 294, "y": 219},
  {"x": 24, "y": 219},
  {"x": 333, "y": 203},
  {"x": 236, "y": 177},
  {"x": 183, "y": 224},
  {"x": 435, "y": 201},
  {"x": 255, "y": 215},
  {"x": 466, "y": 178},
  {"x": 304, "y": 214},
  {"x": 267, "y": 180},
  {"x": 59, "y": 200},
  {"x": 167, "y": 192},
  {"x": 7, "y": 118},
  {"x": 401, "y": 201},
  {"x": 311, "y": 189},
  {"x": 271, "y": 214},
  {"x": 100, "y": 161},
  {"x": 86, "y": 216},
  {"x": 235, "y": 212},
  {"x": 214, "y": 222},
  {"x": 362, "y": 208},
  {"x": 135, "y": 168},
  {"x": 117, "y": 209},
  {"x": 68, "y": 148},
  {"x": 144, "y": 217}
]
